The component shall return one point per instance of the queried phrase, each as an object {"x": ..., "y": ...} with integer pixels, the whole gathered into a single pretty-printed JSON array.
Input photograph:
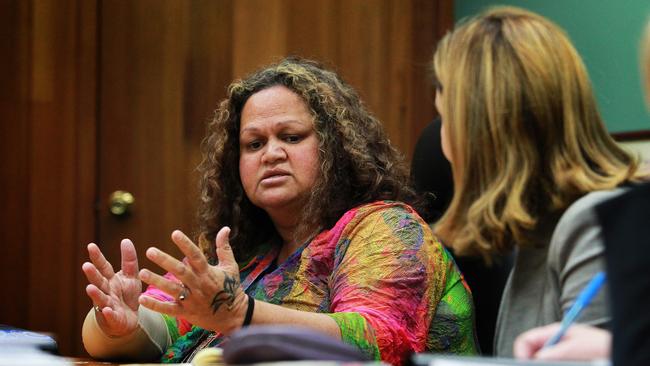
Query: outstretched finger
[
  {"x": 129, "y": 258},
  {"x": 171, "y": 264},
  {"x": 194, "y": 255},
  {"x": 97, "y": 296},
  {"x": 112, "y": 316},
  {"x": 94, "y": 277},
  {"x": 100, "y": 262},
  {"x": 224, "y": 250},
  {"x": 172, "y": 288},
  {"x": 169, "y": 308}
]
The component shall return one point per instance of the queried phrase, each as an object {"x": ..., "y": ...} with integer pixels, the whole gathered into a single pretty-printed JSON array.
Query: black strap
[{"x": 249, "y": 311}]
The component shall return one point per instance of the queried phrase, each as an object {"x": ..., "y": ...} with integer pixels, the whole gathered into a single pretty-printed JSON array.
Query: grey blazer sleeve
[{"x": 576, "y": 253}]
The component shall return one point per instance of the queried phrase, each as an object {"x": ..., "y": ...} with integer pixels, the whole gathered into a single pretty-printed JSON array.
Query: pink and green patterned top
[{"x": 379, "y": 273}]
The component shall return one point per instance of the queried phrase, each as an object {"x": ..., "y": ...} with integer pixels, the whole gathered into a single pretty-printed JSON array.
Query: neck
[
  {"x": 286, "y": 224},
  {"x": 290, "y": 241}
]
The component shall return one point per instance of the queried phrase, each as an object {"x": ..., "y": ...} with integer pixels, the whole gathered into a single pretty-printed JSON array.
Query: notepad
[
  {"x": 424, "y": 359},
  {"x": 11, "y": 336}
]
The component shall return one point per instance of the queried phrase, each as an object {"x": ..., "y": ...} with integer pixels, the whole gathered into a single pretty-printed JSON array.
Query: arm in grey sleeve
[
  {"x": 576, "y": 254},
  {"x": 147, "y": 343}
]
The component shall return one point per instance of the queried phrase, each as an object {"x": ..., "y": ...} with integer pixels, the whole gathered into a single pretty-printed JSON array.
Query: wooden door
[{"x": 162, "y": 73}]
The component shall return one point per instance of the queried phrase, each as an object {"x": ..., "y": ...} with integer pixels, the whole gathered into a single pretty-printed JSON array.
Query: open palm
[{"x": 116, "y": 294}]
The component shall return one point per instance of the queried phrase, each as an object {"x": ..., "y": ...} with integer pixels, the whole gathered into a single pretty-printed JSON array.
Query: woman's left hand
[{"x": 208, "y": 296}]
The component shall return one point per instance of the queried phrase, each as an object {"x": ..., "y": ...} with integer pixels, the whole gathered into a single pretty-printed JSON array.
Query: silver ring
[
  {"x": 183, "y": 295},
  {"x": 97, "y": 309}
]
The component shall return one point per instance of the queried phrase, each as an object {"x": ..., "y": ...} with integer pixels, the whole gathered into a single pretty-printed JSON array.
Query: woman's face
[
  {"x": 443, "y": 130},
  {"x": 278, "y": 163}
]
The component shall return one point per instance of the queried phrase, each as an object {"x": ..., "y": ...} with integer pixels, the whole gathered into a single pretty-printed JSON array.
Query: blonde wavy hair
[
  {"x": 357, "y": 162},
  {"x": 645, "y": 61},
  {"x": 524, "y": 131}
]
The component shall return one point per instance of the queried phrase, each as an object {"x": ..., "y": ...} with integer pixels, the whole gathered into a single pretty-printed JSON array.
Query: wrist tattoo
[{"x": 226, "y": 295}]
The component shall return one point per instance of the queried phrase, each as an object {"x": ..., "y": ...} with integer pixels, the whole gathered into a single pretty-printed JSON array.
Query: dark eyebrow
[{"x": 281, "y": 123}]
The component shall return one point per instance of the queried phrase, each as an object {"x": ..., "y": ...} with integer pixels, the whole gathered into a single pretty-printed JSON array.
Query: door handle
[{"x": 121, "y": 203}]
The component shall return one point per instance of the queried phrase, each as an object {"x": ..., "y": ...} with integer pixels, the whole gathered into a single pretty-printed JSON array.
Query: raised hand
[
  {"x": 208, "y": 296},
  {"x": 115, "y": 294}
]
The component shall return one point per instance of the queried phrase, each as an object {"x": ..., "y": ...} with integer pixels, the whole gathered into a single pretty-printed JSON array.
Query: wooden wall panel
[
  {"x": 430, "y": 21},
  {"x": 15, "y": 31},
  {"x": 50, "y": 163},
  {"x": 313, "y": 30},
  {"x": 62, "y": 129},
  {"x": 86, "y": 177},
  {"x": 259, "y": 34},
  {"x": 361, "y": 39},
  {"x": 381, "y": 47},
  {"x": 208, "y": 70}
]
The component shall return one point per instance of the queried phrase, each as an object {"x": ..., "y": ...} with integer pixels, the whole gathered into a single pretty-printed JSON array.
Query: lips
[{"x": 274, "y": 176}]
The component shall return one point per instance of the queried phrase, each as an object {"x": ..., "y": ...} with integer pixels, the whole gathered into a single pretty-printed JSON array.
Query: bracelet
[{"x": 249, "y": 311}]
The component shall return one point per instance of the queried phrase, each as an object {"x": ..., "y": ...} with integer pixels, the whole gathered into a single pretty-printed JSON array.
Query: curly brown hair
[{"x": 358, "y": 164}]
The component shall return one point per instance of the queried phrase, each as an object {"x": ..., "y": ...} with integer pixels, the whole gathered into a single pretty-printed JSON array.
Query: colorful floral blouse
[{"x": 379, "y": 273}]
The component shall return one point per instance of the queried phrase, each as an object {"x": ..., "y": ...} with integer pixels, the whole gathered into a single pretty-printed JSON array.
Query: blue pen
[{"x": 581, "y": 302}]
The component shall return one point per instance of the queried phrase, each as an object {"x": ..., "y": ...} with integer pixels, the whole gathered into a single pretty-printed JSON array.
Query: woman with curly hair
[
  {"x": 304, "y": 221},
  {"x": 531, "y": 159}
]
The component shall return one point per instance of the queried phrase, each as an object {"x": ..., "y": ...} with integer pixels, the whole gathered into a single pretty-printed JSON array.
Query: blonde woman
[
  {"x": 626, "y": 227},
  {"x": 531, "y": 159}
]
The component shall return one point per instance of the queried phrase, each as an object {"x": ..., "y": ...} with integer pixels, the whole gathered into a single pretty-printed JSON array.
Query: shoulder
[
  {"x": 385, "y": 206},
  {"x": 384, "y": 225},
  {"x": 578, "y": 234},
  {"x": 387, "y": 212},
  {"x": 583, "y": 211},
  {"x": 589, "y": 201}
]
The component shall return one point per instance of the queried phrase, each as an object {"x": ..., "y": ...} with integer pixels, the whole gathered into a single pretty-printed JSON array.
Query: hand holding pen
[
  {"x": 581, "y": 342},
  {"x": 583, "y": 300},
  {"x": 566, "y": 340}
]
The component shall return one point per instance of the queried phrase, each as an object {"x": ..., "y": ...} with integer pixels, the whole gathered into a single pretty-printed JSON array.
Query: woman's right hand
[
  {"x": 116, "y": 294},
  {"x": 581, "y": 342}
]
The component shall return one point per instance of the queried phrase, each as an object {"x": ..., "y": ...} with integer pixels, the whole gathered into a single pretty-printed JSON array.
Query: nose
[{"x": 274, "y": 152}]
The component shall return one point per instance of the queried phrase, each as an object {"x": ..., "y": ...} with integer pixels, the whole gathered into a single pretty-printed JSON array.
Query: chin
[
  {"x": 275, "y": 203},
  {"x": 280, "y": 202}
]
